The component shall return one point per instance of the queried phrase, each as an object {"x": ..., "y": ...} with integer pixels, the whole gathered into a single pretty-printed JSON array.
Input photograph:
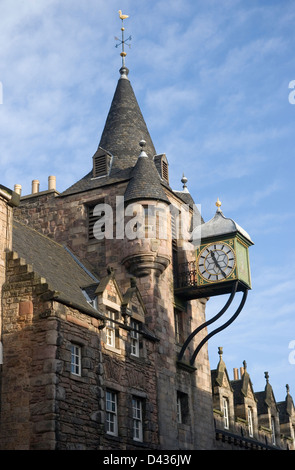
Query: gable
[
  {"x": 108, "y": 292},
  {"x": 132, "y": 303}
]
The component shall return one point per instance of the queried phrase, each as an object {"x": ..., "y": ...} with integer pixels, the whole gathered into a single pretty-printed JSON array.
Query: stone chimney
[
  {"x": 35, "y": 186},
  {"x": 51, "y": 183}
]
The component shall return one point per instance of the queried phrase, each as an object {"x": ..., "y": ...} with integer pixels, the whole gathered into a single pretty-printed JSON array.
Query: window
[
  {"x": 110, "y": 329},
  {"x": 137, "y": 419},
  {"x": 250, "y": 421},
  {"x": 112, "y": 413},
  {"x": 148, "y": 217},
  {"x": 273, "y": 432},
  {"x": 178, "y": 319},
  {"x": 178, "y": 409},
  {"x": 182, "y": 410},
  {"x": 134, "y": 335},
  {"x": 75, "y": 359},
  {"x": 225, "y": 413},
  {"x": 92, "y": 219}
]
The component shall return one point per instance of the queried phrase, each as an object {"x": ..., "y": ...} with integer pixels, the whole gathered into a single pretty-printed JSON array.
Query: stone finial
[
  {"x": 266, "y": 375},
  {"x": 220, "y": 351},
  {"x": 288, "y": 389},
  {"x": 245, "y": 365},
  {"x": 142, "y": 144},
  {"x": 184, "y": 181}
]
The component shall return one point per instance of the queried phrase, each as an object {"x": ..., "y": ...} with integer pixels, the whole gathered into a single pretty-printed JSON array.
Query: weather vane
[{"x": 123, "y": 41}]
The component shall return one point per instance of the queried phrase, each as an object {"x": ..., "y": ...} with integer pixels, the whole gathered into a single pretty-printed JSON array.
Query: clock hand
[{"x": 217, "y": 264}]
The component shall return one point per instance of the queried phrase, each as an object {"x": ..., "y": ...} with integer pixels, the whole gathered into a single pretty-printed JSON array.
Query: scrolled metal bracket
[{"x": 212, "y": 320}]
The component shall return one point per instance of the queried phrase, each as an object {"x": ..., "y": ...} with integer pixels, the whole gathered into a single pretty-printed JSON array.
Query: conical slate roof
[
  {"x": 145, "y": 182},
  {"x": 125, "y": 126}
]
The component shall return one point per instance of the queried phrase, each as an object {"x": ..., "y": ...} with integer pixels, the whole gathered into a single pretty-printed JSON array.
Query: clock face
[{"x": 216, "y": 262}]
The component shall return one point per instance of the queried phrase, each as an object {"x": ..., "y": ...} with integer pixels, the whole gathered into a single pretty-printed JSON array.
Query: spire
[
  {"x": 124, "y": 128},
  {"x": 125, "y": 125}
]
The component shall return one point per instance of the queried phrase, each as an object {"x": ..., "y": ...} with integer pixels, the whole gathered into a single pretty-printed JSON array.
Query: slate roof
[
  {"x": 63, "y": 272},
  {"x": 124, "y": 128},
  {"x": 265, "y": 399},
  {"x": 145, "y": 182},
  {"x": 240, "y": 388},
  {"x": 221, "y": 225}
]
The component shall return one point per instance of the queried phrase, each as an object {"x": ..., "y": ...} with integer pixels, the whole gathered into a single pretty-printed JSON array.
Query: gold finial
[{"x": 218, "y": 203}]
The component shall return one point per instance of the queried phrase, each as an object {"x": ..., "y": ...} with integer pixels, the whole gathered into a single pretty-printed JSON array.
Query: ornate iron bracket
[{"x": 212, "y": 320}]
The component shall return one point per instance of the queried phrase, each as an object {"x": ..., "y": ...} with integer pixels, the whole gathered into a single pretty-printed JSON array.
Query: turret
[{"x": 146, "y": 244}]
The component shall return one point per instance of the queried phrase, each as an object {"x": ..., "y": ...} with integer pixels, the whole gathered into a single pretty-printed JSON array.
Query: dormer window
[
  {"x": 101, "y": 163},
  {"x": 161, "y": 163}
]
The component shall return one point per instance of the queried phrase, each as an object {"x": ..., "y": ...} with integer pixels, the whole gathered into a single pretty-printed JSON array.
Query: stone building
[{"x": 91, "y": 327}]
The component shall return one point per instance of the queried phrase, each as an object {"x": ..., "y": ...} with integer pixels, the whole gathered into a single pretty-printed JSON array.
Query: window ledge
[{"x": 113, "y": 349}]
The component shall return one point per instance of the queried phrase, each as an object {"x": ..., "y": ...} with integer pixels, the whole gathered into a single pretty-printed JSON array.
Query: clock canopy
[{"x": 220, "y": 226}]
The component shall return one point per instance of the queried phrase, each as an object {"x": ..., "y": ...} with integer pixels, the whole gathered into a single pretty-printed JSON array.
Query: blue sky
[{"x": 211, "y": 78}]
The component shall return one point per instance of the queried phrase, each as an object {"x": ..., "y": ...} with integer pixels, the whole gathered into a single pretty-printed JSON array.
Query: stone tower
[{"x": 124, "y": 216}]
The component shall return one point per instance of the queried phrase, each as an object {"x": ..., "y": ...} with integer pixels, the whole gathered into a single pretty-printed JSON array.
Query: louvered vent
[
  {"x": 92, "y": 219},
  {"x": 165, "y": 171},
  {"x": 100, "y": 166}
]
